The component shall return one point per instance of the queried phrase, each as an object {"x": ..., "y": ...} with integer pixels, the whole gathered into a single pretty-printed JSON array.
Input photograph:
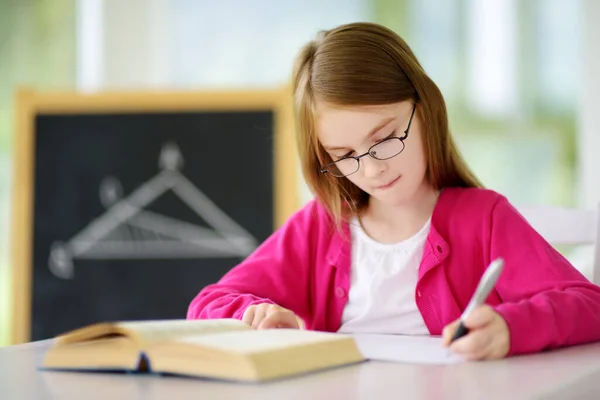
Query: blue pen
[{"x": 486, "y": 283}]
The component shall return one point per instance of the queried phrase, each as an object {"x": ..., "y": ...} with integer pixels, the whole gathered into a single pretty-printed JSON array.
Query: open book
[{"x": 223, "y": 349}]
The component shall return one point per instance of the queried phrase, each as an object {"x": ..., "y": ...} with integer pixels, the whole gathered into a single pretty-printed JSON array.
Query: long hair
[{"x": 362, "y": 64}]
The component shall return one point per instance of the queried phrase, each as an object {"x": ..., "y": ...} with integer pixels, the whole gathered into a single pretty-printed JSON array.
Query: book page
[
  {"x": 405, "y": 349},
  {"x": 153, "y": 331},
  {"x": 258, "y": 341}
]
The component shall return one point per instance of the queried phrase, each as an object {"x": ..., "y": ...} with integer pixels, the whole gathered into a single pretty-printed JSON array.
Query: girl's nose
[{"x": 372, "y": 167}]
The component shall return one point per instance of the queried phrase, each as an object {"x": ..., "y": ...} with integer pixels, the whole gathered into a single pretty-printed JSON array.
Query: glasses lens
[
  {"x": 387, "y": 149},
  {"x": 343, "y": 167}
]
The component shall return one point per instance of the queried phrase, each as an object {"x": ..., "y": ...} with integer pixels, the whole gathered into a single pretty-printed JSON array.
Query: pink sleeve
[
  {"x": 547, "y": 303},
  {"x": 276, "y": 272}
]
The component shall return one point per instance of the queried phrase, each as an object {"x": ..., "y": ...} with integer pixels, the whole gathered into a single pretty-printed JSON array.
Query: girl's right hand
[{"x": 268, "y": 316}]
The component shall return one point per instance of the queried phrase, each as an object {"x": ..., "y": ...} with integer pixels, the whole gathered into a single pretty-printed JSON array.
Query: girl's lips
[{"x": 389, "y": 185}]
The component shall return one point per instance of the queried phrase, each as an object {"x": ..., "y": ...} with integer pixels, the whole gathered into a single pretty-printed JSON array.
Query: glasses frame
[{"x": 325, "y": 169}]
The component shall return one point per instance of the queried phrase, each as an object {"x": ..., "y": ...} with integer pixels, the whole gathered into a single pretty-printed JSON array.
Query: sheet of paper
[{"x": 405, "y": 349}]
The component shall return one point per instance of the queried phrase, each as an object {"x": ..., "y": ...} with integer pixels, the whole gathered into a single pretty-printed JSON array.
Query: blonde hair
[{"x": 367, "y": 64}]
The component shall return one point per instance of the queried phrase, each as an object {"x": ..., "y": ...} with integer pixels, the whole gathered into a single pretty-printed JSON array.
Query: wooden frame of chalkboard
[{"x": 31, "y": 104}]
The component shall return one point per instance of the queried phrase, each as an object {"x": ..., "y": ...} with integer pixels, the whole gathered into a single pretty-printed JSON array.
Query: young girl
[{"x": 400, "y": 230}]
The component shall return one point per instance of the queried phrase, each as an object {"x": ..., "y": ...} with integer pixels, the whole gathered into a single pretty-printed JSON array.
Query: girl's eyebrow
[{"x": 385, "y": 122}]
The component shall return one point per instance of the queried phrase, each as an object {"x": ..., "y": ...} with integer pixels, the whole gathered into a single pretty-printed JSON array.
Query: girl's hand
[
  {"x": 266, "y": 316},
  {"x": 488, "y": 337}
]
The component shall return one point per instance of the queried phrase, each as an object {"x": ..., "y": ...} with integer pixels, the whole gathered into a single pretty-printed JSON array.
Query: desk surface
[{"x": 569, "y": 373}]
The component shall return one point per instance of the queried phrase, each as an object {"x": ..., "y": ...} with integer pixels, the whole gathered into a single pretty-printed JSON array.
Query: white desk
[{"x": 572, "y": 373}]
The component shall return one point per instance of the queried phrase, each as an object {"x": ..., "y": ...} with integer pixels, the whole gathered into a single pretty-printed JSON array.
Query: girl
[{"x": 400, "y": 230}]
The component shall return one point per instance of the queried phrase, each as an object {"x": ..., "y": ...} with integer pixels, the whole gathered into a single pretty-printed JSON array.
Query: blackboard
[{"x": 128, "y": 204}]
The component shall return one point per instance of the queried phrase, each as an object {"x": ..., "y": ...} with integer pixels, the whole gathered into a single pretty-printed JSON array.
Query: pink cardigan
[{"x": 305, "y": 267}]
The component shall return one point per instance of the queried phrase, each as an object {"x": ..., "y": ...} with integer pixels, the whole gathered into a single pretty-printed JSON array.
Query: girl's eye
[
  {"x": 345, "y": 155},
  {"x": 391, "y": 135}
]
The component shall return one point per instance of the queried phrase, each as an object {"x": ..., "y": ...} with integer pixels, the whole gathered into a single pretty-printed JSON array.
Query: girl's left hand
[{"x": 488, "y": 337}]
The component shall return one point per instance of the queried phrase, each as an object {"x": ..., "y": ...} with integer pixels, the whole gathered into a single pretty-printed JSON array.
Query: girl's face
[{"x": 353, "y": 131}]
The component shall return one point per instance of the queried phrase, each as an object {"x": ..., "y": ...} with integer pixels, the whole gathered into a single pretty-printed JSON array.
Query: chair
[{"x": 569, "y": 226}]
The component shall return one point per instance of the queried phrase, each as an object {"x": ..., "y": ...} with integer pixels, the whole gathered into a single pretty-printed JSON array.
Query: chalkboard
[{"x": 128, "y": 204}]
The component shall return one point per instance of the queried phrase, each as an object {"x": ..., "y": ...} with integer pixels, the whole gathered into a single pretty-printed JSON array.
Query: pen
[{"x": 486, "y": 283}]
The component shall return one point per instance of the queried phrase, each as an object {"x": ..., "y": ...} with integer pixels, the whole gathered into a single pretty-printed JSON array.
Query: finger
[
  {"x": 249, "y": 315},
  {"x": 474, "y": 345},
  {"x": 480, "y": 317},
  {"x": 492, "y": 351},
  {"x": 500, "y": 343},
  {"x": 279, "y": 319},
  {"x": 259, "y": 315},
  {"x": 448, "y": 332}
]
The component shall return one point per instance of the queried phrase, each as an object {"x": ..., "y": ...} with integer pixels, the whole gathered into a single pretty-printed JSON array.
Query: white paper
[{"x": 405, "y": 349}]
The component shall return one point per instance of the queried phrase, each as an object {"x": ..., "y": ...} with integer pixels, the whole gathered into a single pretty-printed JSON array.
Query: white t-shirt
[{"x": 382, "y": 285}]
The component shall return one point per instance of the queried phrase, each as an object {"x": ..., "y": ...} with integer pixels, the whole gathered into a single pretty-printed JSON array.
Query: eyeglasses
[{"x": 383, "y": 150}]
